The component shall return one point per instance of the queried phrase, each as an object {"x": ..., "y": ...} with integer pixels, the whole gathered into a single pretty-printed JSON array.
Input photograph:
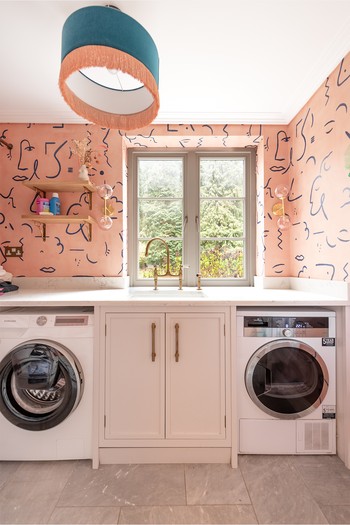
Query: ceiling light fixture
[{"x": 110, "y": 68}]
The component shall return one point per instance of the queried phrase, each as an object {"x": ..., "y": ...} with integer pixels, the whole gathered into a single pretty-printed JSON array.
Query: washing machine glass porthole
[
  {"x": 33, "y": 399},
  {"x": 286, "y": 379}
]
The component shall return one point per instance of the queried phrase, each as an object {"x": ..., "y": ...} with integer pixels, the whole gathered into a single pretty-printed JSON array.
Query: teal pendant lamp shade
[{"x": 110, "y": 68}]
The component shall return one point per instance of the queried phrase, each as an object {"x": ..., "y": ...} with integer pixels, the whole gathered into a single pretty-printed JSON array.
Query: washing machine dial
[
  {"x": 41, "y": 320},
  {"x": 287, "y": 332}
]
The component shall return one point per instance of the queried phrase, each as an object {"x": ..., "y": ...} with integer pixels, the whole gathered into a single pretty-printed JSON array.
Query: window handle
[{"x": 185, "y": 221}]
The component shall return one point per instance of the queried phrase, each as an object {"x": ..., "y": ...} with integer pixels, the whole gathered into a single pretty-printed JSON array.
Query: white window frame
[{"x": 191, "y": 206}]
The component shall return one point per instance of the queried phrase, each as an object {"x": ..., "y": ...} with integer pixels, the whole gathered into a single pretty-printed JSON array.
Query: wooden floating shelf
[
  {"x": 65, "y": 187},
  {"x": 61, "y": 186},
  {"x": 60, "y": 219}
]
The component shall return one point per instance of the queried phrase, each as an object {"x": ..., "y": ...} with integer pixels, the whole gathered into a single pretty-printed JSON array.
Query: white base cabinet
[
  {"x": 134, "y": 386},
  {"x": 166, "y": 379},
  {"x": 195, "y": 376}
]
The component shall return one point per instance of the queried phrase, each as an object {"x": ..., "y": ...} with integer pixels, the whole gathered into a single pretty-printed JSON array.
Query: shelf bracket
[
  {"x": 42, "y": 229},
  {"x": 89, "y": 231}
]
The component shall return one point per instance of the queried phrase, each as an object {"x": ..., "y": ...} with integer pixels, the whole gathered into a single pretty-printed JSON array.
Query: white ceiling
[{"x": 223, "y": 61}]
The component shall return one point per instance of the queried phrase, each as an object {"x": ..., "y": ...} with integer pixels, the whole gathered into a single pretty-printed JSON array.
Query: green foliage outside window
[{"x": 160, "y": 214}]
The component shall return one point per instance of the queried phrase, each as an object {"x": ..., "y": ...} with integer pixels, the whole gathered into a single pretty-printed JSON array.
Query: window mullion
[{"x": 191, "y": 211}]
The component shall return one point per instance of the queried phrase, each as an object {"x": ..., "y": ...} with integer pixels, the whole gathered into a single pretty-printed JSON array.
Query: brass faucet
[{"x": 168, "y": 272}]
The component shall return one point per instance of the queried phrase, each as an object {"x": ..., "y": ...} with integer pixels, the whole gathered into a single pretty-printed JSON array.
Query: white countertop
[{"x": 239, "y": 296}]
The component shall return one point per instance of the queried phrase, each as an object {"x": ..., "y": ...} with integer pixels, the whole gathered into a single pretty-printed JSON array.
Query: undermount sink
[{"x": 166, "y": 293}]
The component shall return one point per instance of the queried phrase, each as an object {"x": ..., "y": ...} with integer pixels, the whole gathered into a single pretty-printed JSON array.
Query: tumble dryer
[
  {"x": 286, "y": 381},
  {"x": 46, "y": 375}
]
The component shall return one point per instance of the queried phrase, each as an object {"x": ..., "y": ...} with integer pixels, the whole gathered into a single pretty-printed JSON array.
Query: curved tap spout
[{"x": 167, "y": 273}]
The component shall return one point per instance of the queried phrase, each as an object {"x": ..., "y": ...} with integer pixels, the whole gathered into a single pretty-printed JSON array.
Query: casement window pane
[
  {"x": 221, "y": 218},
  {"x": 157, "y": 256},
  {"x": 222, "y": 177},
  {"x": 160, "y": 218},
  {"x": 159, "y": 178},
  {"x": 222, "y": 259},
  {"x": 202, "y": 204}
]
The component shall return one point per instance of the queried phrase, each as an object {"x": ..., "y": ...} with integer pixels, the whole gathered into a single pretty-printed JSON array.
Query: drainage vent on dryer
[{"x": 314, "y": 436}]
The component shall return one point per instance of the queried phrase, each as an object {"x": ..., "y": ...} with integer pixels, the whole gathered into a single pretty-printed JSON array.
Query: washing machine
[
  {"x": 46, "y": 383},
  {"x": 286, "y": 381}
]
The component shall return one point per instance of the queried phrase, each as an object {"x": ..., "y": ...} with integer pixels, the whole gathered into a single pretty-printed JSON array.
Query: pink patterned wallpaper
[
  {"x": 319, "y": 178},
  {"x": 309, "y": 156}
]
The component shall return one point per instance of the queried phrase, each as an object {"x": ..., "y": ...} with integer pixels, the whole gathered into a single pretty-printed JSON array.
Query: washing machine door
[
  {"x": 41, "y": 383},
  {"x": 287, "y": 379}
]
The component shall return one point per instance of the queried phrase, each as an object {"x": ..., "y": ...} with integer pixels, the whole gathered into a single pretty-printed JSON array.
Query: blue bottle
[{"x": 55, "y": 205}]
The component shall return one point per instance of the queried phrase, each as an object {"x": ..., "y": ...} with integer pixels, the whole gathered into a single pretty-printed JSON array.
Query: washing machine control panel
[{"x": 266, "y": 326}]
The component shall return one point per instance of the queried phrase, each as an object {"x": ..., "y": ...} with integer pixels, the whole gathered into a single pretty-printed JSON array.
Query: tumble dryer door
[
  {"x": 41, "y": 383},
  {"x": 287, "y": 379}
]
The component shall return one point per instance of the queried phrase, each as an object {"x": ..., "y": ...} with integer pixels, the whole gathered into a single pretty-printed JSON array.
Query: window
[{"x": 202, "y": 204}]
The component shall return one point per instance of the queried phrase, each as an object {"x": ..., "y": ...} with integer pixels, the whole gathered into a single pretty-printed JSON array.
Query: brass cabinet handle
[
  {"x": 177, "y": 354},
  {"x": 154, "y": 342}
]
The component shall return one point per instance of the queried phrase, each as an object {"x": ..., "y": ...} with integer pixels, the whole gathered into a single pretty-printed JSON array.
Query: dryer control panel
[{"x": 285, "y": 326}]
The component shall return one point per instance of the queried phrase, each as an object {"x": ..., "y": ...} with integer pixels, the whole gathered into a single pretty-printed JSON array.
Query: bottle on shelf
[{"x": 55, "y": 204}]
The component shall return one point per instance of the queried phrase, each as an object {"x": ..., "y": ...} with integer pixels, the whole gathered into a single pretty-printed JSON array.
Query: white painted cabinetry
[
  {"x": 195, "y": 376},
  {"x": 134, "y": 386},
  {"x": 165, "y": 379}
]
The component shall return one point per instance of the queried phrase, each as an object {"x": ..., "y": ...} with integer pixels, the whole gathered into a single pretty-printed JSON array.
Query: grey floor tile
[
  {"x": 83, "y": 515},
  {"x": 209, "y": 514},
  {"x": 27, "y": 502},
  {"x": 116, "y": 485},
  {"x": 33, "y": 490},
  {"x": 7, "y": 469},
  {"x": 278, "y": 492},
  {"x": 320, "y": 460},
  {"x": 57, "y": 470},
  {"x": 210, "y": 484},
  {"x": 326, "y": 477},
  {"x": 337, "y": 514}
]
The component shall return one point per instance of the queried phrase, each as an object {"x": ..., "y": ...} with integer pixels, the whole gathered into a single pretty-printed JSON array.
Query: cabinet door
[
  {"x": 195, "y": 376},
  {"x": 134, "y": 390}
]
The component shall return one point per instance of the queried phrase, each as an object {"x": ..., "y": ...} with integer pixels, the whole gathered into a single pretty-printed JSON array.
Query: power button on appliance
[
  {"x": 41, "y": 321},
  {"x": 287, "y": 332}
]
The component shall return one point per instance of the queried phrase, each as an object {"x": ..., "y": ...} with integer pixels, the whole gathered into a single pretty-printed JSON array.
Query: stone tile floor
[{"x": 264, "y": 489}]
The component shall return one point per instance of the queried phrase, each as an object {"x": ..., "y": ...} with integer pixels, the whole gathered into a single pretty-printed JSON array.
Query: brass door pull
[
  {"x": 154, "y": 342},
  {"x": 177, "y": 354}
]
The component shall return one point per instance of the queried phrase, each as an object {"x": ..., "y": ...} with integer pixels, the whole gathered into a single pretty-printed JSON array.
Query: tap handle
[
  {"x": 182, "y": 268},
  {"x": 180, "y": 277},
  {"x": 198, "y": 275},
  {"x": 155, "y": 277}
]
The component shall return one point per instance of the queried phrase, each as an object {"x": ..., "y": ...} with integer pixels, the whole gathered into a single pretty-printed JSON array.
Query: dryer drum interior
[
  {"x": 41, "y": 384},
  {"x": 286, "y": 379}
]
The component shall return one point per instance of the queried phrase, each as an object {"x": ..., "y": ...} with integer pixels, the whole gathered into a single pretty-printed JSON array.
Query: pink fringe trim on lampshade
[{"x": 101, "y": 56}]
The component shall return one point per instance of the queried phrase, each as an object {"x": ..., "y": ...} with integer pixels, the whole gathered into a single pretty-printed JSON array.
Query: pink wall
[
  {"x": 319, "y": 200},
  {"x": 307, "y": 156},
  {"x": 42, "y": 152}
]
